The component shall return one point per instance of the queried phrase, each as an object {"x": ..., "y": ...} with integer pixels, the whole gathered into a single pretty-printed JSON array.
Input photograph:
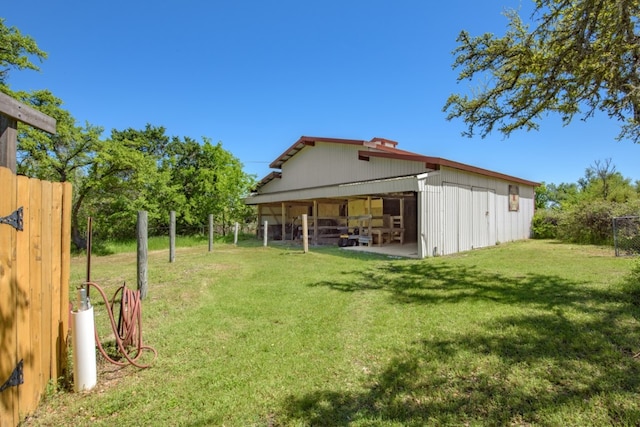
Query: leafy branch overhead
[
  {"x": 15, "y": 51},
  {"x": 582, "y": 57}
]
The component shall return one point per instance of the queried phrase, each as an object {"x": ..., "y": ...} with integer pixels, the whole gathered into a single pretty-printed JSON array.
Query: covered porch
[{"x": 357, "y": 221}]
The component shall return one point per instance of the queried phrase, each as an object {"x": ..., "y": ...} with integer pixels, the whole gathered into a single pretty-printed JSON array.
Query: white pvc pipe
[{"x": 84, "y": 350}]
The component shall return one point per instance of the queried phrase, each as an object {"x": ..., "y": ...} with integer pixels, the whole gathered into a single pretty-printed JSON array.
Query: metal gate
[{"x": 626, "y": 235}]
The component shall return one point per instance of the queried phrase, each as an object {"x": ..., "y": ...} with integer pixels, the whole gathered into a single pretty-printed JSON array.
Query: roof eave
[
  {"x": 435, "y": 163},
  {"x": 305, "y": 141}
]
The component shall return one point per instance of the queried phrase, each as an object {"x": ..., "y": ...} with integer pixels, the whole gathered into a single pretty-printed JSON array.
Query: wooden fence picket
[
  {"x": 35, "y": 280},
  {"x": 8, "y": 301},
  {"x": 27, "y": 394},
  {"x": 34, "y": 290}
]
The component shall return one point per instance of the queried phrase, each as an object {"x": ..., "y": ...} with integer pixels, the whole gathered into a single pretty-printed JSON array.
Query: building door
[
  {"x": 457, "y": 218},
  {"x": 484, "y": 226}
]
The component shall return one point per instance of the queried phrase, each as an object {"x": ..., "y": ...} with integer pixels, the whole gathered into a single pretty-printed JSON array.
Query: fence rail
[
  {"x": 34, "y": 290},
  {"x": 626, "y": 235}
]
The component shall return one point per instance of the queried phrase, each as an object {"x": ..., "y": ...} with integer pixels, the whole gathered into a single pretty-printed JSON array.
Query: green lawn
[{"x": 528, "y": 333}]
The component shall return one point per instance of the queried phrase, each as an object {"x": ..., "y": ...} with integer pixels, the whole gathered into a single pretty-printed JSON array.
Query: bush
[
  {"x": 590, "y": 222},
  {"x": 587, "y": 223},
  {"x": 632, "y": 284},
  {"x": 545, "y": 224}
]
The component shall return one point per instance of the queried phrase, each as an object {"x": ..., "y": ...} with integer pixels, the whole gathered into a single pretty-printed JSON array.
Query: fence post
[
  {"x": 235, "y": 234},
  {"x": 8, "y": 132},
  {"x": 172, "y": 236},
  {"x": 266, "y": 229},
  {"x": 142, "y": 253},
  {"x": 210, "y": 232},
  {"x": 615, "y": 237},
  {"x": 305, "y": 234}
]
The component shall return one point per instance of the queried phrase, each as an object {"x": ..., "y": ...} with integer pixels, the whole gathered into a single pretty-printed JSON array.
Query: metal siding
[
  {"x": 465, "y": 218},
  {"x": 527, "y": 200},
  {"x": 458, "y": 218},
  {"x": 449, "y": 233},
  {"x": 513, "y": 225},
  {"x": 499, "y": 225},
  {"x": 330, "y": 164},
  {"x": 491, "y": 219},
  {"x": 430, "y": 215},
  {"x": 483, "y": 217},
  {"x": 479, "y": 217},
  {"x": 435, "y": 221},
  {"x": 501, "y": 211},
  {"x": 392, "y": 185}
]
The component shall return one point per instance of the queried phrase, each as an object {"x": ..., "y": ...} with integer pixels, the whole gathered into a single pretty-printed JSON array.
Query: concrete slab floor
[{"x": 407, "y": 250}]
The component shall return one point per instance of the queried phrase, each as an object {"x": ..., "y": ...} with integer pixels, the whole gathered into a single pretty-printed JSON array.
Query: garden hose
[{"x": 128, "y": 330}]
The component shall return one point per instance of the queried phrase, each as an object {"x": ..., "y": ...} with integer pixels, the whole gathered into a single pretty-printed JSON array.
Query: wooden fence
[{"x": 34, "y": 291}]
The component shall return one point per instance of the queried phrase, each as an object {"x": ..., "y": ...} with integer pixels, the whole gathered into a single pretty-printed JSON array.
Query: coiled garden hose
[{"x": 128, "y": 330}]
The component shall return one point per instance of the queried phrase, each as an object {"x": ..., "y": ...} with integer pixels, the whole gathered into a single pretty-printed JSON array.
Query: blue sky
[{"x": 257, "y": 75}]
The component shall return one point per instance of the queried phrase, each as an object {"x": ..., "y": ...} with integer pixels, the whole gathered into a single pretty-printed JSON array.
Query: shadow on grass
[
  {"x": 423, "y": 283},
  {"x": 562, "y": 353}
]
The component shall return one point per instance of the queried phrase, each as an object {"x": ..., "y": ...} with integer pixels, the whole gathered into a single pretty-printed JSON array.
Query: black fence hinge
[
  {"x": 15, "y": 379},
  {"x": 14, "y": 220}
]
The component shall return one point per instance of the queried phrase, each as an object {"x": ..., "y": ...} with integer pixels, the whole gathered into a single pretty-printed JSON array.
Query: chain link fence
[{"x": 626, "y": 235}]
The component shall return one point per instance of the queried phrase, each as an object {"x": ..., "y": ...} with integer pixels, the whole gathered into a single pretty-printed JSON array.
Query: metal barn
[{"x": 385, "y": 197}]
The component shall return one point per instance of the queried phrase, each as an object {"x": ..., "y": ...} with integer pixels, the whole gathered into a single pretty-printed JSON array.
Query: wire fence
[
  {"x": 626, "y": 235},
  {"x": 201, "y": 229}
]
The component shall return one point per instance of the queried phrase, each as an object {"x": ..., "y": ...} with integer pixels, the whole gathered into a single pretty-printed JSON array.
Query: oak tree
[
  {"x": 16, "y": 51},
  {"x": 579, "y": 57}
]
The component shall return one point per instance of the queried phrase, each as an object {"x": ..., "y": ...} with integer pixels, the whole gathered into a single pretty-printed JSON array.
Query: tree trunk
[{"x": 76, "y": 237}]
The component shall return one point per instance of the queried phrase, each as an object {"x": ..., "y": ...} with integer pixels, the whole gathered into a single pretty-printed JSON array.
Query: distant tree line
[
  {"x": 582, "y": 212},
  {"x": 113, "y": 177}
]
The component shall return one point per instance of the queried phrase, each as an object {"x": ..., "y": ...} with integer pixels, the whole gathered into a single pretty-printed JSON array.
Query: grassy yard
[{"x": 528, "y": 333}]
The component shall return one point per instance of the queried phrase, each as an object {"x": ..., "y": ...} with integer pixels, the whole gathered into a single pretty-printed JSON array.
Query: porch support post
[
  {"x": 283, "y": 213},
  {"x": 315, "y": 222}
]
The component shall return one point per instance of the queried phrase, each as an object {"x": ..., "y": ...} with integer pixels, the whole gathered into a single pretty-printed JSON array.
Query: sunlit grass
[
  {"x": 156, "y": 243},
  {"x": 524, "y": 333}
]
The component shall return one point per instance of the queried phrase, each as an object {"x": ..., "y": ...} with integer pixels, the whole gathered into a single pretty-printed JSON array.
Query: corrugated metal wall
[
  {"x": 336, "y": 164},
  {"x": 466, "y": 211},
  {"x": 430, "y": 216}
]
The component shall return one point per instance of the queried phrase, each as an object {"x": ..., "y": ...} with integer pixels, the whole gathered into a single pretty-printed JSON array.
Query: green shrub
[
  {"x": 590, "y": 222},
  {"x": 632, "y": 284},
  {"x": 545, "y": 224},
  {"x": 634, "y": 276}
]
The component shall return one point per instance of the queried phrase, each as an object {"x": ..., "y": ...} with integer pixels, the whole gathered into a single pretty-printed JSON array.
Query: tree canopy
[
  {"x": 131, "y": 170},
  {"x": 582, "y": 56},
  {"x": 16, "y": 51}
]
